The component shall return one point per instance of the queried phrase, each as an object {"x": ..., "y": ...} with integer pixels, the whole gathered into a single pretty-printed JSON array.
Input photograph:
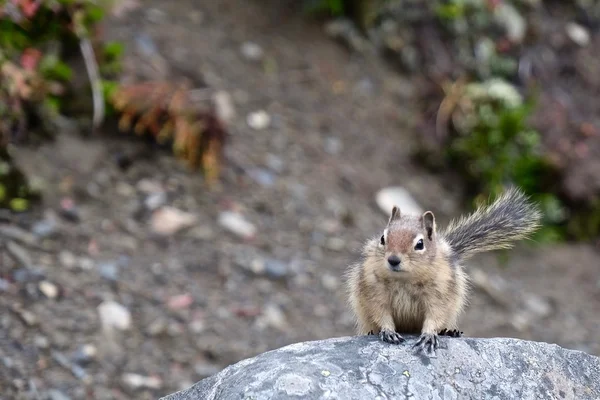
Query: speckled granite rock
[{"x": 364, "y": 368}]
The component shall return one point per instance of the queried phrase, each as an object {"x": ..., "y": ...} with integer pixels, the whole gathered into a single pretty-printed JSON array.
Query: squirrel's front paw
[
  {"x": 452, "y": 333},
  {"x": 390, "y": 336},
  {"x": 428, "y": 343}
]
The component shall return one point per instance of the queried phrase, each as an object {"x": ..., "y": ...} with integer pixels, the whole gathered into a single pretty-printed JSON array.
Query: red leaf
[
  {"x": 29, "y": 7},
  {"x": 30, "y": 59}
]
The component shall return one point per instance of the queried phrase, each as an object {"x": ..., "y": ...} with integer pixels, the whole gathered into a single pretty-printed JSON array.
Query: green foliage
[
  {"x": 493, "y": 146},
  {"x": 38, "y": 39},
  {"x": 331, "y": 7},
  {"x": 362, "y": 12}
]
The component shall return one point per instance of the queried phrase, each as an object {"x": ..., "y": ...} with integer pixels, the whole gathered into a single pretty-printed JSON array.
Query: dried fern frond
[{"x": 166, "y": 111}]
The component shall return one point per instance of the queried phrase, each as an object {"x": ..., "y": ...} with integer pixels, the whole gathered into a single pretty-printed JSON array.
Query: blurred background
[{"x": 183, "y": 183}]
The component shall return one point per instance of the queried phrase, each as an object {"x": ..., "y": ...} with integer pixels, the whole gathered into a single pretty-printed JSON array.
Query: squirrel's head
[{"x": 408, "y": 243}]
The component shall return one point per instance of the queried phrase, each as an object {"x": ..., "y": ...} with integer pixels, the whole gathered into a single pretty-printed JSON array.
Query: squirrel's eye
[
  {"x": 382, "y": 240},
  {"x": 419, "y": 245}
]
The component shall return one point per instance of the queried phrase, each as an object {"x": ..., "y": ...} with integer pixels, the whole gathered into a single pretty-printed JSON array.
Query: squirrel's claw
[
  {"x": 390, "y": 336},
  {"x": 428, "y": 343},
  {"x": 452, "y": 333}
]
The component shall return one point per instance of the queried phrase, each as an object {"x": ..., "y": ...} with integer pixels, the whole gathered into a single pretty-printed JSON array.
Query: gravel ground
[{"x": 104, "y": 303}]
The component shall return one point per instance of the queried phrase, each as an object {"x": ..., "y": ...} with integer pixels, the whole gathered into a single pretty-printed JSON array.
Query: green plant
[
  {"x": 331, "y": 7},
  {"x": 493, "y": 146},
  {"x": 38, "y": 39}
]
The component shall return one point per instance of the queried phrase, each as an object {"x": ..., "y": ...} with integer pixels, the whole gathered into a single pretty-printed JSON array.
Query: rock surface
[{"x": 364, "y": 368}]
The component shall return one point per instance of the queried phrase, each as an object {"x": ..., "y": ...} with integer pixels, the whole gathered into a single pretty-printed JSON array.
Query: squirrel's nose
[{"x": 394, "y": 260}]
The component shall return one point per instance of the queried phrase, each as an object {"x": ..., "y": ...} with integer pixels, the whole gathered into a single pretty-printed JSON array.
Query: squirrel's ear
[
  {"x": 429, "y": 223},
  {"x": 395, "y": 214}
]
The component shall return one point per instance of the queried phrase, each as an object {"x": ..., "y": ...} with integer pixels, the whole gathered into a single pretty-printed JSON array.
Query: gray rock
[
  {"x": 54, "y": 394},
  {"x": 262, "y": 176},
  {"x": 365, "y": 368},
  {"x": 45, "y": 228},
  {"x": 19, "y": 254},
  {"x": 252, "y": 51},
  {"x": 109, "y": 270},
  {"x": 276, "y": 269}
]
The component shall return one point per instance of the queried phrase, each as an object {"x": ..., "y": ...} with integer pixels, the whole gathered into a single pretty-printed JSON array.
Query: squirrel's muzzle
[{"x": 394, "y": 262}]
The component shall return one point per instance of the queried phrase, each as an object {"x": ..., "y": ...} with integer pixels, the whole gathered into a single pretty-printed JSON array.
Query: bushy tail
[{"x": 509, "y": 218}]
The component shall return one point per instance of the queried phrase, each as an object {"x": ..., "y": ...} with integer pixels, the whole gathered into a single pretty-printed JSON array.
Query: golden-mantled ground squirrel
[{"x": 411, "y": 277}]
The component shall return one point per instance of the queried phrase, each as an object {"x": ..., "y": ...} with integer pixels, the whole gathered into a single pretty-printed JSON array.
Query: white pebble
[
  {"x": 237, "y": 224},
  {"x": 224, "y": 106},
  {"x": 49, "y": 289},
  {"x": 389, "y": 197},
  {"x": 258, "y": 120},
  {"x": 169, "y": 220},
  {"x": 136, "y": 381},
  {"x": 252, "y": 51},
  {"x": 578, "y": 34},
  {"x": 114, "y": 315}
]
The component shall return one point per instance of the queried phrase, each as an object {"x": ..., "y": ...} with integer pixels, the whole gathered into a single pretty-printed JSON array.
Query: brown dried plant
[{"x": 167, "y": 112}]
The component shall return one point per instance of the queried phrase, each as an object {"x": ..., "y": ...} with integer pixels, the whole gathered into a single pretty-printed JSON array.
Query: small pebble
[
  {"x": 85, "y": 354},
  {"x": 224, "y": 106},
  {"x": 45, "y": 228},
  {"x": 136, "y": 381},
  {"x": 18, "y": 234},
  {"x": 272, "y": 316},
  {"x": 67, "y": 259},
  {"x": 258, "y": 120},
  {"x": 55, "y": 394},
  {"x": 23, "y": 275},
  {"x": 336, "y": 244},
  {"x": 86, "y": 264},
  {"x": 204, "y": 369},
  {"x": 197, "y": 326},
  {"x": 389, "y": 197},
  {"x": 202, "y": 232},
  {"x": 155, "y": 15},
  {"x": 538, "y": 306},
  {"x": 41, "y": 342},
  {"x": 276, "y": 269},
  {"x": 158, "y": 327},
  {"x": 69, "y": 211},
  {"x": 252, "y": 51},
  {"x": 149, "y": 186},
  {"x": 18, "y": 254},
  {"x": 26, "y": 316},
  {"x": 333, "y": 145},
  {"x": 257, "y": 266},
  {"x": 114, "y": 315},
  {"x": 109, "y": 270},
  {"x": 180, "y": 301},
  {"x": 578, "y": 34},
  {"x": 155, "y": 200},
  {"x": 330, "y": 282},
  {"x": 169, "y": 220},
  {"x": 237, "y": 224},
  {"x": 49, "y": 289},
  {"x": 274, "y": 162},
  {"x": 64, "y": 361},
  {"x": 262, "y": 176}
]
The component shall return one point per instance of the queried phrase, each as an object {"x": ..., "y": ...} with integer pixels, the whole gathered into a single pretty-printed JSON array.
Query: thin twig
[{"x": 92, "y": 69}]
